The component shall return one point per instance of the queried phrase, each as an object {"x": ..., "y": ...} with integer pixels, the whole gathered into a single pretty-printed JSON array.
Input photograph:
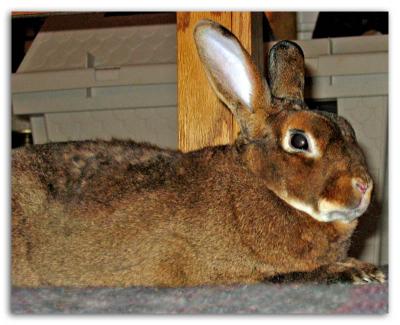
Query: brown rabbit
[{"x": 283, "y": 199}]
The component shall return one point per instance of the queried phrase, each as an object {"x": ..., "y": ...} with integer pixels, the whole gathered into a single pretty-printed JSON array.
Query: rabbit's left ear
[
  {"x": 234, "y": 77},
  {"x": 286, "y": 71}
]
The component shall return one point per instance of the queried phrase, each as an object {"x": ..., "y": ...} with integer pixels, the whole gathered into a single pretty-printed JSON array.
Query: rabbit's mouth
[
  {"x": 345, "y": 215},
  {"x": 334, "y": 212}
]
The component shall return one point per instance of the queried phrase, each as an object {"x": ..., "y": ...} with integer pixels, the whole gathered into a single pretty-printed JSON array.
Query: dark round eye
[{"x": 299, "y": 141}]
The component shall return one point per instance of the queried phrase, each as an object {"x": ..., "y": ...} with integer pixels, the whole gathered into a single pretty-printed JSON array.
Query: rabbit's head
[{"x": 309, "y": 159}]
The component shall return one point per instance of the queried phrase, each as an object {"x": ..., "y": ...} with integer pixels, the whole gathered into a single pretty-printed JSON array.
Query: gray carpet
[{"x": 263, "y": 298}]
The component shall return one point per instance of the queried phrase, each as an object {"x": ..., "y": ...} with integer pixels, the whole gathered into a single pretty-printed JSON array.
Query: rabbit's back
[{"x": 93, "y": 170}]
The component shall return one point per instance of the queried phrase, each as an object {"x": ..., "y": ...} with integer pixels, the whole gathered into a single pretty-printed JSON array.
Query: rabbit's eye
[{"x": 299, "y": 141}]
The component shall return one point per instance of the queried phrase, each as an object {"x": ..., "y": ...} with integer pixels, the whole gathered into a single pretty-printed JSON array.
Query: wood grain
[
  {"x": 283, "y": 24},
  {"x": 204, "y": 120}
]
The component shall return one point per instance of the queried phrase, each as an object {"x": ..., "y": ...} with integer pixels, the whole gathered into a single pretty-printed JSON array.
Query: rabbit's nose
[{"x": 361, "y": 185}]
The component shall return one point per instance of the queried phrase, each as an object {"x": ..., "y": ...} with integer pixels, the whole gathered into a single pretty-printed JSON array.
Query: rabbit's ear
[
  {"x": 286, "y": 71},
  {"x": 233, "y": 76}
]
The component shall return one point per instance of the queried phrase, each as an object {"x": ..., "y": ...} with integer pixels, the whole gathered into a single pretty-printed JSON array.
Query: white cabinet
[{"x": 109, "y": 82}]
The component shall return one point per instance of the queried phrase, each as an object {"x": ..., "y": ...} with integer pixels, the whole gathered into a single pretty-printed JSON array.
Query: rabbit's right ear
[
  {"x": 233, "y": 76},
  {"x": 286, "y": 71}
]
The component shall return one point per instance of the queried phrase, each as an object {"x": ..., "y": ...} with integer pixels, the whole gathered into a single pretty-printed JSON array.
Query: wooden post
[
  {"x": 283, "y": 24},
  {"x": 203, "y": 120}
]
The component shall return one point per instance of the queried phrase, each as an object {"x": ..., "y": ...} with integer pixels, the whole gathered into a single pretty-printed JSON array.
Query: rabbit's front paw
[
  {"x": 350, "y": 270},
  {"x": 356, "y": 272}
]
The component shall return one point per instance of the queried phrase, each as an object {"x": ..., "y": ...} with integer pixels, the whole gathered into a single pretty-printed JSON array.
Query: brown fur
[{"x": 120, "y": 213}]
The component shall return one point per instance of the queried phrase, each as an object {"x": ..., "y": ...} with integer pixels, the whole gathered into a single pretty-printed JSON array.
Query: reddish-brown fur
[{"x": 119, "y": 213}]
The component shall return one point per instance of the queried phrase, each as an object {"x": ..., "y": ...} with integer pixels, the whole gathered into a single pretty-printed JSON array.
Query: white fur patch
[
  {"x": 328, "y": 211},
  {"x": 305, "y": 208}
]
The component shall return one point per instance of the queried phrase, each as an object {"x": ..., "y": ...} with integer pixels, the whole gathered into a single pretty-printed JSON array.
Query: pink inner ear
[{"x": 227, "y": 65}]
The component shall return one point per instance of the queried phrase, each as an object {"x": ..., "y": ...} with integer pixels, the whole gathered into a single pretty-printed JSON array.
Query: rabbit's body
[
  {"x": 284, "y": 198},
  {"x": 120, "y": 213}
]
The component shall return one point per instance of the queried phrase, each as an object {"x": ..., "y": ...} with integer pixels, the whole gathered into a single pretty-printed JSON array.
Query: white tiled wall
[
  {"x": 305, "y": 24},
  {"x": 91, "y": 83}
]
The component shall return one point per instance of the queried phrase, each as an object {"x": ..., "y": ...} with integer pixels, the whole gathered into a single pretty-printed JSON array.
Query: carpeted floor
[{"x": 263, "y": 298}]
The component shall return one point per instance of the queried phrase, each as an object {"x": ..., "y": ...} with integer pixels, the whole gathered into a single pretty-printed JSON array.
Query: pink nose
[{"x": 362, "y": 187}]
